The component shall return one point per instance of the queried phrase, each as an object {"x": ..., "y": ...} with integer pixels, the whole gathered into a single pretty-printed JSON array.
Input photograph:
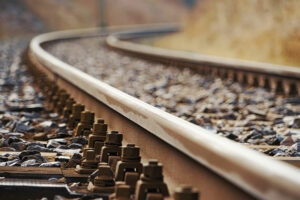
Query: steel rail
[
  {"x": 116, "y": 40},
  {"x": 253, "y": 172}
]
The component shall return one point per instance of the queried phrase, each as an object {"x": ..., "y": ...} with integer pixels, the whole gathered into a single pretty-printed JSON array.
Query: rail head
[{"x": 254, "y": 172}]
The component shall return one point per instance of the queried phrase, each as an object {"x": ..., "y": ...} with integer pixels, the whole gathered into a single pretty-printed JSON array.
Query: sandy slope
[{"x": 267, "y": 31}]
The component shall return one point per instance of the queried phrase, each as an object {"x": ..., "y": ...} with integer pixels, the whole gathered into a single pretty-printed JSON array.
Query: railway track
[
  {"x": 282, "y": 79},
  {"x": 191, "y": 155}
]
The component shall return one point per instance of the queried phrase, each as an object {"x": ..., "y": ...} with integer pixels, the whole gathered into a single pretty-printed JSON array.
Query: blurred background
[
  {"x": 264, "y": 31},
  {"x": 23, "y": 17}
]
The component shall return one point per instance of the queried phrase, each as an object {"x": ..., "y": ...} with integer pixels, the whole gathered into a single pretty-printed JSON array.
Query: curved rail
[
  {"x": 115, "y": 40},
  {"x": 290, "y": 75},
  {"x": 254, "y": 172}
]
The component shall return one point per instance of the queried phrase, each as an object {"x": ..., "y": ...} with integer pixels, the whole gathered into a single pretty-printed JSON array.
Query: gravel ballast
[
  {"x": 27, "y": 128},
  {"x": 248, "y": 115}
]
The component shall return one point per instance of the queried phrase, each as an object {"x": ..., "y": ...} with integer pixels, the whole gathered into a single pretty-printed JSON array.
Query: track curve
[
  {"x": 282, "y": 76},
  {"x": 236, "y": 163}
]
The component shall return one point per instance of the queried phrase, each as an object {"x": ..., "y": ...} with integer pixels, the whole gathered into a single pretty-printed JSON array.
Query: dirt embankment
[{"x": 265, "y": 31}]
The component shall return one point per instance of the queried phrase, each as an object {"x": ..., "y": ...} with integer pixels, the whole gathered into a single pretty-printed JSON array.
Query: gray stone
[
  {"x": 53, "y": 115},
  {"x": 52, "y": 144},
  {"x": 296, "y": 123},
  {"x": 67, "y": 151},
  {"x": 63, "y": 147},
  {"x": 54, "y": 180},
  {"x": 4, "y": 131},
  {"x": 39, "y": 148},
  {"x": 80, "y": 140},
  {"x": 76, "y": 156},
  {"x": 36, "y": 144},
  {"x": 38, "y": 158},
  {"x": 35, "y": 107},
  {"x": 62, "y": 158},
  {"x": 62, "y": 125},
  {"x": 294, "y": 131},
  {"x": 287, "y": 141},
  {"x": 19, "y": 146},
  {"x": 50, "y": 164},
  {"x": 28, "y": 152},
  {"x": 30, "y": 163},
  {"x": 257, "y": 111},
  {"x": 60, "y": 141},
  {"x": 15, "y": 162},
  {"x": 13, "y": 139},
  {"x": 295, "y": 147},
  {"x": 3, "y": 143},
  {"x": 3, "y": 159},
  {"x": 7, "y": 149},
  {"x": 48, "y": 124},
  {"x": 75, "y": 146},
  {"x": 22, "y": 128},
  {"x": 16, "y": 134},
  {"x": 267, "y": 130}
]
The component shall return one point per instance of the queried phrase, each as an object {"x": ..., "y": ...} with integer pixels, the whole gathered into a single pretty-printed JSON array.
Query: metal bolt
[
  {"x": 130, "y": 179},
  {"x": 114, "y": 138},
  {"x": 186, "y": 193},
  {"x": 98, "y": 134},
  {"x": 90, "y": 155},
  {"x": 101, "y": 163},
  {"x": 100, "y": 121},
  {"x": 97, "y": 146},
  {"x": 122, "y": 191},
  {"x": 68, "y": 108},
  {"x": 153, "y": 162},
  {"x": 105, "y": 177},
  {"x": 153, "y": 170},
  {"x": 154, "y": 196},
  {"x": 99, "y": 129},
  {"x": 62, "y": 101},
  {"x": 77, "y": 109},
  {"x": 105, "y": 171},
  {"x": 75, "y": 116},
  {"x": 64, "y": 96},
  {"x": 131, "y": 152},
  {"x": 87, "y": 117},
  {"x": 70, "y": 103}
]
